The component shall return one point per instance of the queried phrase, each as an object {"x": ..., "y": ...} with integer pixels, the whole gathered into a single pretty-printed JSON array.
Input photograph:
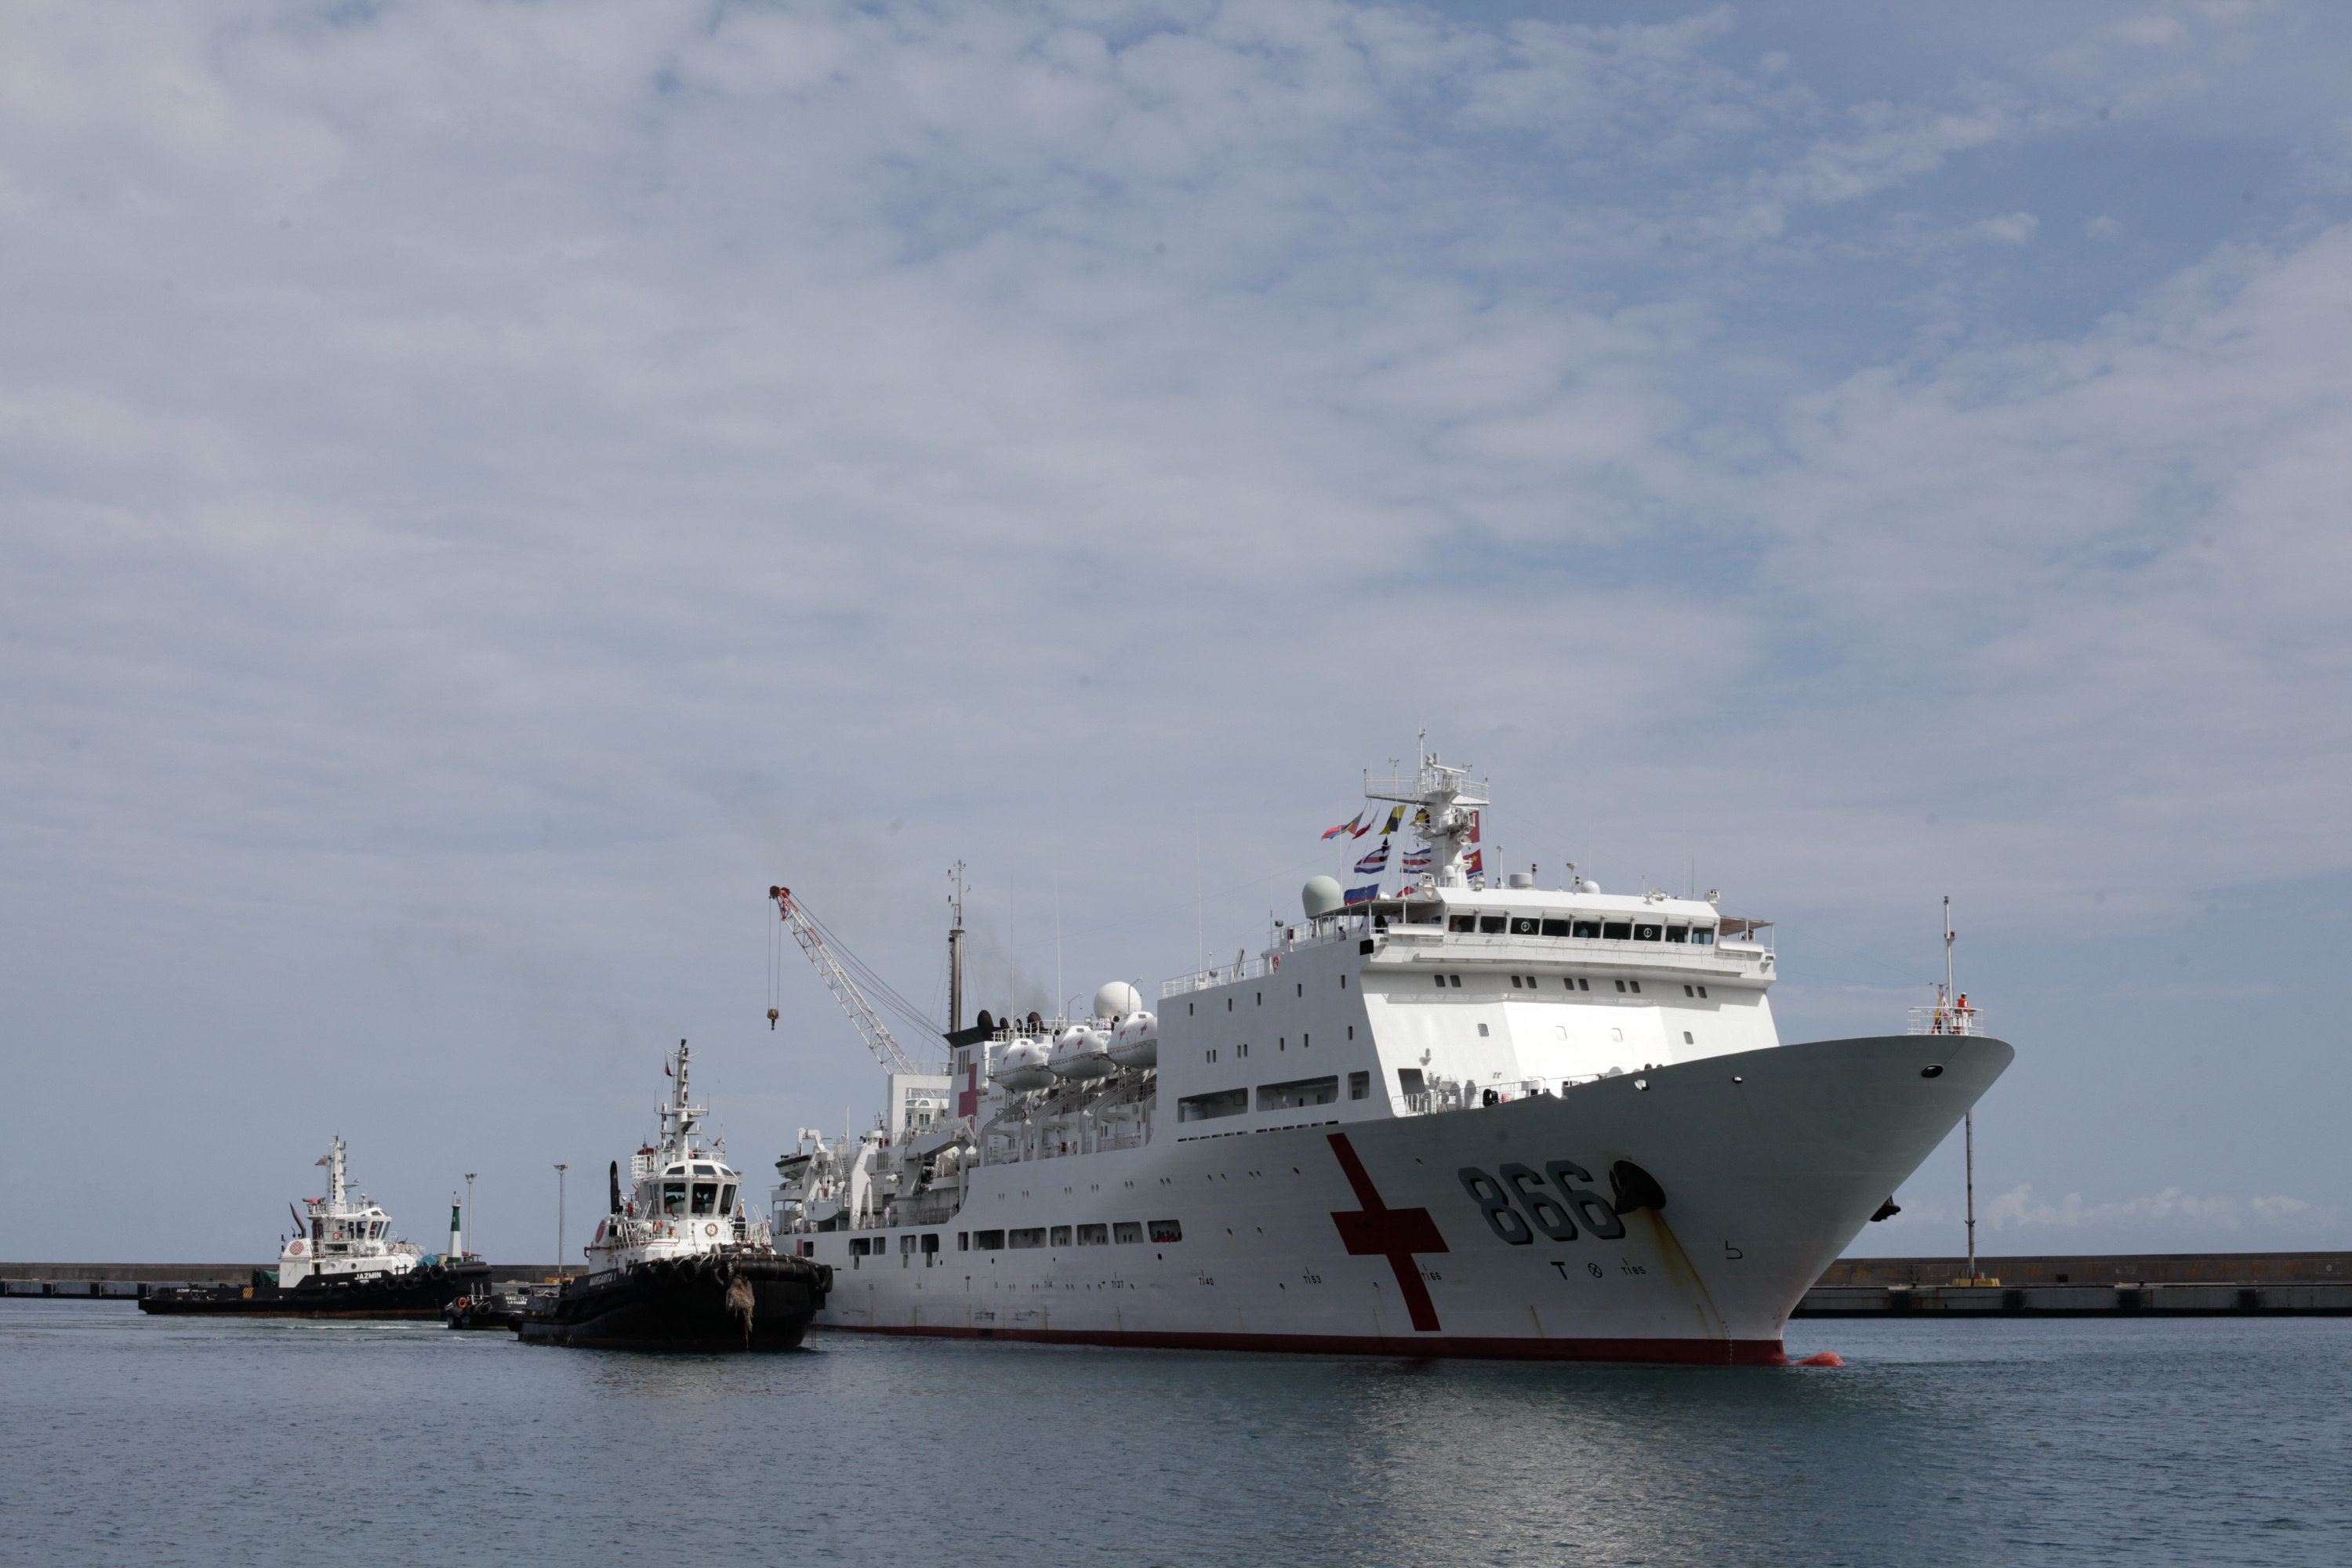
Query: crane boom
[{"x": 845, "y": 990}]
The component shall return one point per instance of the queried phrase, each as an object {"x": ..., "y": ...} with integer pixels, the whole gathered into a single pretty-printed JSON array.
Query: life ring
[{"x": 710, "y": 1230}]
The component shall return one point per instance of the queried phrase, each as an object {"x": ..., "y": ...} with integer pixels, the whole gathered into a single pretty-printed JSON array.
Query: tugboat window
[
  {"x": 705, "y": 1171},
  {"x": 727, "y": 1200},
  {"x": 673, "y": 1197},
  {"x": 705, "y": 1197}
]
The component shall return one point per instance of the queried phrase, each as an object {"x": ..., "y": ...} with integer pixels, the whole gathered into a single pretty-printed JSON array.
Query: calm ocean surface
[{"x": 137, "y": 1440}]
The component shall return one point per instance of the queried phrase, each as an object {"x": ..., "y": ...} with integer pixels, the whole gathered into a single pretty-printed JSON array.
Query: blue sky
[{"x": 489, "y": 489}]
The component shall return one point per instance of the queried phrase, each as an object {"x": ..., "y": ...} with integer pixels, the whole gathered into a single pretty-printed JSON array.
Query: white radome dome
[{"x": 1117, "y": 1000}]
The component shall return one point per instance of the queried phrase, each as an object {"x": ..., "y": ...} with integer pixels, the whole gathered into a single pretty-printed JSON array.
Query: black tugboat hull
[
  {"x": 708, "y": 1303},
  {"x": 416, "y": 1293}
]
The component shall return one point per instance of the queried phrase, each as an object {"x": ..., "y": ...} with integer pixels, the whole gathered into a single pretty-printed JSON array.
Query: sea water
[{"x": 129, "y": 1439}]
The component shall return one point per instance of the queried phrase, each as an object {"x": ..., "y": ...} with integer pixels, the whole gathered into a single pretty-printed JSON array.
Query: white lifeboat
[
  {"x": 1082, "y": 1053},
  {"x": 1025, "y": 1065},
  {"x": 1135, "y": 1043}
]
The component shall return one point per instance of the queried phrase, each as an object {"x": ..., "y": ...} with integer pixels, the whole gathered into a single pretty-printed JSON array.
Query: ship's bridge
[{"x": 1628, "y": 926}]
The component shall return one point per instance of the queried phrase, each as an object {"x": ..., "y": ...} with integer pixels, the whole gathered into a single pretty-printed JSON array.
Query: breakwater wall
[
  {"x": 2165, "y": 1284},
  {"x": 130, "y": 1281}
]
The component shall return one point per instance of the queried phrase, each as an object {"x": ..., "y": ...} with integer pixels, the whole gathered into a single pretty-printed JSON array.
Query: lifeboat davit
[
  {"x": 1082, "y": 1053},
  {"x": 1025, "y": 1065},
  {"x": 1135, "y": 1043}
]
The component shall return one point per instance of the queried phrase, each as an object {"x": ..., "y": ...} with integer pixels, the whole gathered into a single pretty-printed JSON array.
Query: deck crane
[{"x": 811, "y": 936}]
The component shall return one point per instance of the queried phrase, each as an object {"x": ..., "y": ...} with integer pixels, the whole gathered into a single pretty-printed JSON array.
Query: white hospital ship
[{"x": 1464, "y": 1118}]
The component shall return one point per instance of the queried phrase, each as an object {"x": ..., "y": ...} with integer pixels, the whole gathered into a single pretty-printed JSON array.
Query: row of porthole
[
  {"x": 1299, "y": 987},
  {"x": 1528, "y": 983},
  {"x": 1306, "y": 1042}
]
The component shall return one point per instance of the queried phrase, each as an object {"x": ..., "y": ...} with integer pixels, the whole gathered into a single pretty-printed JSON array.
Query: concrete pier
[{"x": 2171, "y": 1284}]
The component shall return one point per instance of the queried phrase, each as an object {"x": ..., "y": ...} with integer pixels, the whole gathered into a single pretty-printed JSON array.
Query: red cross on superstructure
[{"x": 1378, "y": 1230}]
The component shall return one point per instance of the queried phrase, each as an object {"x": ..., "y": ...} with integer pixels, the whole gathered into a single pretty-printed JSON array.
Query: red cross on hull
[{"x": 1377, "y": 1230}]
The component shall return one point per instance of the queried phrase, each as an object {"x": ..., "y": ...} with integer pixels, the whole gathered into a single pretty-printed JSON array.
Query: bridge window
[
  {"x": 705, "y": 1171},
  {"x": 1522, "y": 925},
  {"x": 673, "y": 1197},
  {"x": 1678, "y": 933},
  {"x": 1492, "y": 924},
  {"x": 1634, "y": 986},
  {"x": 1703, "y": 935},
  {"x": 1462, "y": 923},
  {"x": 1126, "y": 1230},
  {"x": 1555, "y": 928},
  {"x": 1617, "y": 930},
  {"x": 1094, "y": 1235},
  {"x": 727, "y": 1200},
  {"x": 1167, "y": 1230},
  {"x": 705, "y": 1197},
  {"x": 1649, "y": 933},
  {"x": 1587, "y": 928}
]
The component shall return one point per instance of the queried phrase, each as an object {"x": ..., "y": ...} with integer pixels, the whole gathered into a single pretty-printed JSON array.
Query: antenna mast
[
  {"x": 1968, "y": 1119},
  {"x": 955, "y": 951}
]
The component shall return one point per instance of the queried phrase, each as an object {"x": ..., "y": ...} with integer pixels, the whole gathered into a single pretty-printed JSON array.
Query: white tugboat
[
  {"x": 677, "y": 1264},
  {"x": 342, "y": 1261},
  {"x": 1464, "y": 1117}
]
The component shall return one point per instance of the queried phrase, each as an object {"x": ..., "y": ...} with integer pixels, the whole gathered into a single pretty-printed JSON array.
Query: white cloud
[{"x": 2010, "y": 229}]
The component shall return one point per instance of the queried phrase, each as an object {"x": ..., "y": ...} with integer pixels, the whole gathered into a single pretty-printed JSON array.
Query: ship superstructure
[
  {"x": 340, "y": 1235},
  {"x": 1468, "y": 1117}
]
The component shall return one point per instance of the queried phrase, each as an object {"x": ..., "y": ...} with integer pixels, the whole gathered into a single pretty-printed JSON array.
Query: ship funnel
[{"x": 1322, "y": 897}]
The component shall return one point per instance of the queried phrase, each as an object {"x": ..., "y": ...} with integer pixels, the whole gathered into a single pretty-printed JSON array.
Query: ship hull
[
  {"x": 1459, "y": 1233},
  {"x": 414, "y": 1293},
  {"x": 706, "y": 1303}
]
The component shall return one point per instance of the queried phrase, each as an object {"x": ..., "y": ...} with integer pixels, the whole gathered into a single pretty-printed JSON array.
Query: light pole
[
  {"x": 470, "y": 1213},
  {"x": 559, "y": 1220}
]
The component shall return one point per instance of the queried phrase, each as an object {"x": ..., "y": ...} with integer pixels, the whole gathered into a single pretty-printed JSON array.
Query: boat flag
[
  {"x": 1348, "y": 826},
  {"x": 321, "y": 1160},
  {"x": 1373, "y": 864},
  {"x": 1369, "y": 890},
  {"x": 1478, "y": 861},
  {"x": 1395, "y": 817},
  {"x": 1415, "y": 860},
  {"x": 1473, "y": 826}
]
